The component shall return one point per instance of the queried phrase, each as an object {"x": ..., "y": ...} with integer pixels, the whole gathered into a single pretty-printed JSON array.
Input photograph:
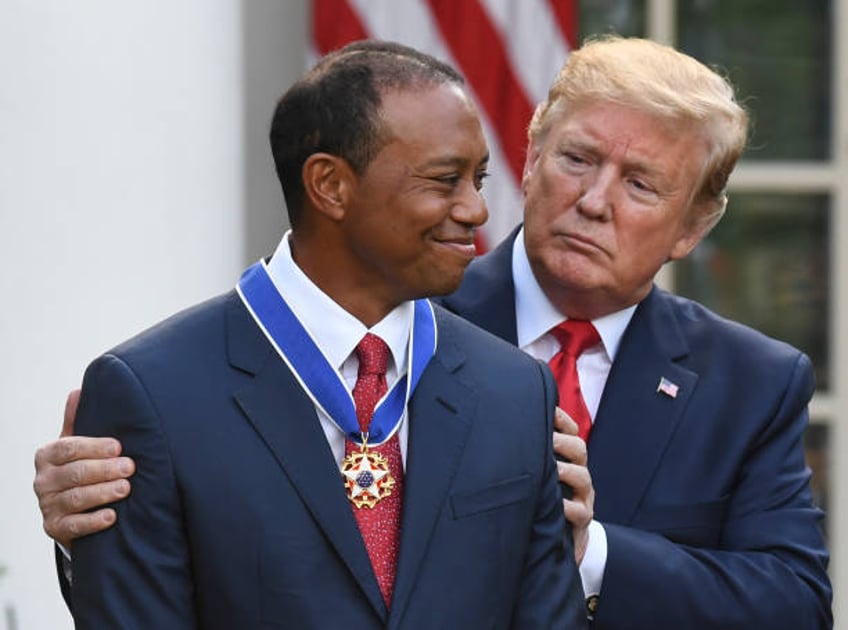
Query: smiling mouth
[{"x": 464, "y": 247}]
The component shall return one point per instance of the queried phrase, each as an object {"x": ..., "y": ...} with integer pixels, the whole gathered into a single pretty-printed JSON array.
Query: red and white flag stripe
[{"x": 508, "y": 51}]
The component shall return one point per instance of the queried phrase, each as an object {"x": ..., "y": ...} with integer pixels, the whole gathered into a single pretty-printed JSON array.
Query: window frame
[{"x": 830, "y": 177}]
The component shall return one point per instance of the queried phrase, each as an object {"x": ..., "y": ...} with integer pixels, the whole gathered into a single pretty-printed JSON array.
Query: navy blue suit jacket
[
  {"x": 238, "y": 518},
  {"x": 705, "y": 496}
]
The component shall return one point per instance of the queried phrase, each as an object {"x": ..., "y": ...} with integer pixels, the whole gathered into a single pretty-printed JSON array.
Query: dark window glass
[
  {"x": 816, "y": 443},
  {"x": 777, "y": 53},
  {"x": 766, "y": 265}
]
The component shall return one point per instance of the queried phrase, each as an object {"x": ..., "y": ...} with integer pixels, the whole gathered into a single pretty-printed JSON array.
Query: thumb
[{"x": 70, "y": 413}]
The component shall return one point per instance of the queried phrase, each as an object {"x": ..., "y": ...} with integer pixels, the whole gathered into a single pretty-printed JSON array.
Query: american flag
[
  {"x": 667, "y": 387},
  {"x": 508, "y": 50}
]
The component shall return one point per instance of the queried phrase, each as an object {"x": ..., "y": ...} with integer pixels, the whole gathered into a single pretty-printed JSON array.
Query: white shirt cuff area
[
  {"x": 594, "y": 560},
  {"x": 66, "y": 563}
]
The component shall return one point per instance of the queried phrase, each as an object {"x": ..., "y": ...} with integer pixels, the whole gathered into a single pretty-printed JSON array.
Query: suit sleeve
[
  {"x": 551, "y": 591},
  {"x": 137, "y": 573},
  {"x": 770, "y": 567}
]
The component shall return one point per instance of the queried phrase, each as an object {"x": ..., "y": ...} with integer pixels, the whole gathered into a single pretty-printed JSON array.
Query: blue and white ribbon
[{"x": 317, "y": 377}]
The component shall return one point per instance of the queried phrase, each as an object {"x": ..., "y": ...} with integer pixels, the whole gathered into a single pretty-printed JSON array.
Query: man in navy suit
[
  {"x": 263, "y": 498},
  {"x": 703, "y": 516}
]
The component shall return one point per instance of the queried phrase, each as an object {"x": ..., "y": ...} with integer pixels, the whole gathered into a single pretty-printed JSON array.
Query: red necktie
[
  {"x": 380, "y": 525},
  {"x": 574, "y": 336}
]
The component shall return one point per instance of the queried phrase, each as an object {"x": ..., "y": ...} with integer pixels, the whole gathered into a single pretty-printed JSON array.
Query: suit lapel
[
  {"x": 284, "y": 416},
  {"x": 635, "y": 421},
  {"x": 440, "y": 415}
]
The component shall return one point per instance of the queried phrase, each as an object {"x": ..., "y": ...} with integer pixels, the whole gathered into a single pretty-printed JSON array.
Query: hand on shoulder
[{"x": 75, "y": 476}]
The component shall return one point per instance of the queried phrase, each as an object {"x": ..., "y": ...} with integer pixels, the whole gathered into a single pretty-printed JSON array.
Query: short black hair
[{"x": 335, "y": 108}]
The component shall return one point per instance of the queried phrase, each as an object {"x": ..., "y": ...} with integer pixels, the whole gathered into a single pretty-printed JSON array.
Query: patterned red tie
[
  {"x": 574, "y": 336},
  {"x": 380, "y": 525}
]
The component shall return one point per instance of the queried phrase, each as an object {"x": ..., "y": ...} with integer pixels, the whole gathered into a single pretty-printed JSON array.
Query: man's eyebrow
[
  {"x": 453, "y": 160},
  {"x": 643, "y": 167},
  {"x": 632, "y": 163},
  {"x": 579, "y": 142}
]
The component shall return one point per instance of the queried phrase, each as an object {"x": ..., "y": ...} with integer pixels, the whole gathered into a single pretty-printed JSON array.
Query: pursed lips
[{"x": 581, "y": 242}]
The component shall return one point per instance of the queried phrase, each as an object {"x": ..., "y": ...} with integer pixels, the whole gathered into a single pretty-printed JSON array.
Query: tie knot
[
  {"x": 575, "y": 336},
  {"x": 373, "y": 353}
]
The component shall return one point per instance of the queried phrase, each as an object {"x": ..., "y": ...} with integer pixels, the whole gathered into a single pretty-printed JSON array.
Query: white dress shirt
[
  {"x": 535, "y": 316},
  {"x": 336, "y": 333}
]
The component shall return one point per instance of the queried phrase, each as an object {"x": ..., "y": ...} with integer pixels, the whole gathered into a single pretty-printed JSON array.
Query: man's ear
[
  {"x": 529, "y": 163},
  {"x": 688, "y": 240},
  {"x": 328, "y": 181}
]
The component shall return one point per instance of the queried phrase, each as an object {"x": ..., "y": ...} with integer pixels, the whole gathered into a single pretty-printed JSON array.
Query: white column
[{"x": 127, "y": 142}]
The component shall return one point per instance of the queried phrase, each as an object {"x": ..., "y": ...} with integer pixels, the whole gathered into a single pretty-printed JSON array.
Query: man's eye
[
  {"x": 479, "y": 178},
  {"x": 641, "y": 186},
  {"x": 574, "y": 158},
  {"x": 450, "y": 180}
]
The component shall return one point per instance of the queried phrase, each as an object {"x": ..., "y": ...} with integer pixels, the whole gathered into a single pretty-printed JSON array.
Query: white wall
[{"x": 132, "y": 145}]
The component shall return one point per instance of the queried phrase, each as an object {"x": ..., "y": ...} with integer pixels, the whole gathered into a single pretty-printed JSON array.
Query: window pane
[
  {"x": 777, "y": 53},
  {"x": 816, "y": 443},
  {"x": 625, "y": 17},
  {"x": 766, "y": 264}
]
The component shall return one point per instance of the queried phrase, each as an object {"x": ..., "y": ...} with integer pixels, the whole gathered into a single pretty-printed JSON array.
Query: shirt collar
[
  {"x": 334, "y": 330},
  {"x": 535, "y": 315}
]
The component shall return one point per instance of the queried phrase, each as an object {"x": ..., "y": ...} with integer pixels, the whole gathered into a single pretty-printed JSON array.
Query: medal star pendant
[{"x": 366, "y": 477}]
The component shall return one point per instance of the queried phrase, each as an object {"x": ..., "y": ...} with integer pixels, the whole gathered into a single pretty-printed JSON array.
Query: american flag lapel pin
[{"x": 667, "y": 387}]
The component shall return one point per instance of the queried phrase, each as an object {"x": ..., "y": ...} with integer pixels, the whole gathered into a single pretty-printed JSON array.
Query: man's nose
[{"x": 595, "y": 199}]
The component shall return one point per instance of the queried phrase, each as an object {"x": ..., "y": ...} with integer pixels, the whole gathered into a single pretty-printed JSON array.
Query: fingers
[
  {"x": 74, "y": 501},
  {"x": 579, "y": 510},
  {"x": 573, "y": 472},
  {"x": 579, "y": 480},
  {"x": 579, "y": 528},
  {"x": 71, "y": 405},
  {"x": 563, "y": 422},
  {"x": 51, "y": 478},
  {"x": 578, "y": 513},
  {"x": 66, "y": 515},
  {"x": 75, "y": 474},
  {"x": 65, "y": 530},
  {"x": 570, "y": 448},
  {"x": 75, "y": 448}
]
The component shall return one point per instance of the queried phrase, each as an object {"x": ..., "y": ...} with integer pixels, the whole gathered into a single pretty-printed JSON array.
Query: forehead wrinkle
[
  {"x": 633, "y": 159},
  {"x": 595, "y": 138}
]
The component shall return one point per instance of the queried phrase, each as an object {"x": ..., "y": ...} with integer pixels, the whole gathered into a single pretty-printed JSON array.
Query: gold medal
[{"x": 366, "y": 477}]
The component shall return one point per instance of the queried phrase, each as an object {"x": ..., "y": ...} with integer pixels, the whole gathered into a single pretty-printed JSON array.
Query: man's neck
[
  {"x": 328, "y": 274},
  {"x": 334, "y": 328}
]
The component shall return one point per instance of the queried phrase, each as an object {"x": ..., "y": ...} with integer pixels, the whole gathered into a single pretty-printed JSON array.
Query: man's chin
[{"x": 447, "y": 284}]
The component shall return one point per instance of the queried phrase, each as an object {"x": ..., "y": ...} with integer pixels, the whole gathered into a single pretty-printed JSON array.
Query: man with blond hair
[{"x": 703, "y": 515}]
